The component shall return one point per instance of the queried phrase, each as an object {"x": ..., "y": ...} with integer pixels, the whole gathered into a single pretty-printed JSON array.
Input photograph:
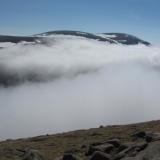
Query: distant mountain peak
[{"x": 112, "y": 38}]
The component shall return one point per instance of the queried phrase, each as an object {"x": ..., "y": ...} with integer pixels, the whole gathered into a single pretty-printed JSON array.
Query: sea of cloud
[{"x": 76, "y": 83}]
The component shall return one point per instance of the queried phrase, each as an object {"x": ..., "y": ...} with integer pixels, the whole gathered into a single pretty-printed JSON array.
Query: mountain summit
[{"x": 112, "y": 38}]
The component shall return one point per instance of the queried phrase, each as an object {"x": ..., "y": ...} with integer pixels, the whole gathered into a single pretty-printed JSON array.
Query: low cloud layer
[{"x": 82, "y": 84}]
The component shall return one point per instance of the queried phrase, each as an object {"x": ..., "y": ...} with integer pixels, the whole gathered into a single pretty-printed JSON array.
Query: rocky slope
[{"x": 118, "y": 142}]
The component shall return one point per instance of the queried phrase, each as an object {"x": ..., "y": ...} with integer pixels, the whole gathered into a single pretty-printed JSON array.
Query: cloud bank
[{"x": 82, "y": 84}]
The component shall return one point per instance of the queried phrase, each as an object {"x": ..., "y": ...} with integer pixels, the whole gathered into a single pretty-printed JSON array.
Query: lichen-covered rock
[
  {"x": 31, "y": 154},
  {"x": 106, "y": 148},
  {"x": 150, "y": 136},
  {"x": 115, "y": 142},
  {"x": 152, "y": 152},
  {"x": 139, "y": 134},
  {"x": 140, "y": 146}
]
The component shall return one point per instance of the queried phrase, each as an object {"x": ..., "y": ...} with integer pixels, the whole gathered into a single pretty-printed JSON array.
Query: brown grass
[{"x": 52, "y": 146}]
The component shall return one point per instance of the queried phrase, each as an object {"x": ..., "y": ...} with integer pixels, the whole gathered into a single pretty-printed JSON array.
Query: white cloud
[{"x": 123, "y": 88}]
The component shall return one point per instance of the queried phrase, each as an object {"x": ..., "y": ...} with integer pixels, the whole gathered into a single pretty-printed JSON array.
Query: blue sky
[{"x": 26, "y": 17}]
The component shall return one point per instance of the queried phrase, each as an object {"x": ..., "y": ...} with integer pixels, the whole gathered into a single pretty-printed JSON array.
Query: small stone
[
  {"x": 59, "y": 158},
  {"x": 119, "y": 156},
  {"x": 70, "y": 156},
  {"x": 122, "y": 147},
  {"x": 115, "y": 142},
  {"x": 140, "y": 134},
  {"x": 91, "y": 150},
  {"x": 107, "y": 148},
  {"x": 133, "y": 154},
  {"x": 84, "y": 146},
  {"x": 100, "y": 156},
  {"x": 101, "y": 126},
  {"x": 97, "y": 143}
]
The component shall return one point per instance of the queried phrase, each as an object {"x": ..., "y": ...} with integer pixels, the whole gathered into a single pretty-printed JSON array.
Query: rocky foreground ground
[{"x": 118, "y": 142}]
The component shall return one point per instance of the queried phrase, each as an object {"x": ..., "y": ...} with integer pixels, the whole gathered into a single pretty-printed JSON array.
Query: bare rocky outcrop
[
  {"x": 117, "y": 142},
  {"x": 31, "y": 154},
  {"x": 146, "y": 146},
  {"x": 152, "y": 152}
]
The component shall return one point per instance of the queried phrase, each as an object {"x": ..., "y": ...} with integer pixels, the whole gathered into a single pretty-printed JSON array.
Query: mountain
[
  {"x": 112, "y": 38},
  {"x": 126, "y": 39}
]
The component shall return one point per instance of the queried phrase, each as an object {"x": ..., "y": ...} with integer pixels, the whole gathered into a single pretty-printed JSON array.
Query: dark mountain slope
[
  {"x": 113, "y": 38},
  {"x": 16, "y": 39},
  {"x": 127, "y": 39}
]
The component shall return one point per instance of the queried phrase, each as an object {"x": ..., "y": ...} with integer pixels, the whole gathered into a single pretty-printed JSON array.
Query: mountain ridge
[{"x": 112, "y": 38}]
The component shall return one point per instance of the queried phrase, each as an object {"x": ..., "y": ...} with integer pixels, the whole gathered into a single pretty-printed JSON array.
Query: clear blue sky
[{"x": 26, "y": 17}]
